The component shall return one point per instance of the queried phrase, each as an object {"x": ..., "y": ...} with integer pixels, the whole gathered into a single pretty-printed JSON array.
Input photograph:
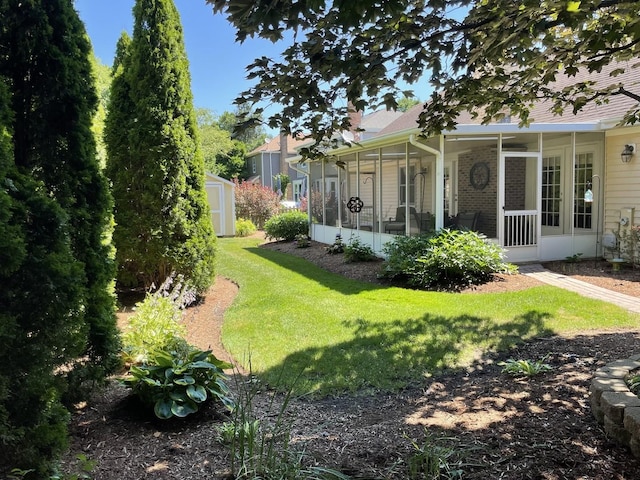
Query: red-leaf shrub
[{"x": 255, "y": 202}]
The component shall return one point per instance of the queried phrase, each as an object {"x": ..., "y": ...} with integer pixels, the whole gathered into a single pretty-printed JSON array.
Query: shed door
[{"x": 215, "y": 194}]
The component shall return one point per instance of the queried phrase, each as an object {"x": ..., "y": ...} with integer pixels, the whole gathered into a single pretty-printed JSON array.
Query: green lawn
[{"x": 294, "y": 320}]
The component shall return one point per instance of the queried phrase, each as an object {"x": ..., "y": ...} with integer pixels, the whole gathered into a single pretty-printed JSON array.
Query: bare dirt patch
[{"x": 507, "y": 428}]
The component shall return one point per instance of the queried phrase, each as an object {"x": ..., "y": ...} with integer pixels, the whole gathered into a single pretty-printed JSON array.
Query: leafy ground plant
[
  {"x": 178, "y": 383},
  {"x": 302, "y": 241},
  {"x": 356, "y": 251},
  {"x": 156, "y": 322},
  {"x": 337, "y": 246},
  {"x": 525, "y": 368}
]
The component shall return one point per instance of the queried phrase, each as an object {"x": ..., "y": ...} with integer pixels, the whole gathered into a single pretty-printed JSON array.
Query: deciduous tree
[
  {"x": 223, "y": 155},
  {"x": 492, "y": 58}
]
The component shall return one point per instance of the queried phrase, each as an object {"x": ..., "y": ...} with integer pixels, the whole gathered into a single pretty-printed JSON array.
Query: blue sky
[{"x": 217, "y": 63}]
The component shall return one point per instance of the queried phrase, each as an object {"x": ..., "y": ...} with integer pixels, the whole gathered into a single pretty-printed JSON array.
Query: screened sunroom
[{"x": 523, "y": 189}]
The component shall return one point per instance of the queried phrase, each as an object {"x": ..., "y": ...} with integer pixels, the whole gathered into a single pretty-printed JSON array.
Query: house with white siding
[{"x": 557, "y": 188}]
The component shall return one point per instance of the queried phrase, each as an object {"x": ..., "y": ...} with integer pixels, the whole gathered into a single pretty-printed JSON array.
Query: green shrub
[
  {"x": 401, "y": 255},
  {"x": 456, "y": 259},
  {"x": 447, "y": 260},
  {"x": 244, "y": 227},
  {"x": 178, "y": 383},
  {"x": 356, "y": 251},
  {"x": 156, "y": 324},
  {"x": 287, "y": 225}
]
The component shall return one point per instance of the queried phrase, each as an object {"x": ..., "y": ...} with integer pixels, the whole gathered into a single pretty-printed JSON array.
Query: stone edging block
[{"x": 614, "y": 405}]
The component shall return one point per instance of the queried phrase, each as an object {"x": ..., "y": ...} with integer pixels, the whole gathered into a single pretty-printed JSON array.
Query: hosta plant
[{"x": 178, "y": 383}]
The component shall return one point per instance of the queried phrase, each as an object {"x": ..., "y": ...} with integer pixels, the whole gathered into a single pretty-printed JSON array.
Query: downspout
[
  {"x": 270, "y": 171},
  {"x": 439, "y": 177},
  {"x": 308, "y": 179}
]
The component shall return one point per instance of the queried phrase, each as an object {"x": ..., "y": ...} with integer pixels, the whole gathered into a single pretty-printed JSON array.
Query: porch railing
[{"x": 520, "y": 228}]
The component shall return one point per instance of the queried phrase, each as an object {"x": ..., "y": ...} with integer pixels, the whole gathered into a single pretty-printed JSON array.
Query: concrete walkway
[{"x": 585, "y": 289}]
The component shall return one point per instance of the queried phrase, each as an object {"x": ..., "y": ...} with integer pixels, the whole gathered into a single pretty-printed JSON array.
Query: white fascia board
[
  {"x": 469, "y": 129},
  {"x": 513, "y": 128}
]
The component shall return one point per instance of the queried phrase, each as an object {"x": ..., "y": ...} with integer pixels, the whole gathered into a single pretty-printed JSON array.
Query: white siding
[{"x": 622, "y": 184}]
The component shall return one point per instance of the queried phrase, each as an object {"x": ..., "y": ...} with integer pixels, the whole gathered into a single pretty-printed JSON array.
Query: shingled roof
[
  {"x": 613, "y": 111},
  {"x": 273, "y": 145}
]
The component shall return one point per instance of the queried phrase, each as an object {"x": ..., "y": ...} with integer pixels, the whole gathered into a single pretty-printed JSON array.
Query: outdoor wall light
[{"x": 627, "y": 152}]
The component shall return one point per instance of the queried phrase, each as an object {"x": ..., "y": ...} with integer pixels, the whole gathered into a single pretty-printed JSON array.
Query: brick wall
[
  {"x": 471, "y": 199},
  {"x": 485, "y": 200}
]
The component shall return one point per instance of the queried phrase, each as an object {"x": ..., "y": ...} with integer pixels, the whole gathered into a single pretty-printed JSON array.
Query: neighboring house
[
  {"x": 524, "y": 188},
  {"x": 222, "y": 204},
  {"x": 269, "y": 159},
  {"x": 372, "y": 124}
]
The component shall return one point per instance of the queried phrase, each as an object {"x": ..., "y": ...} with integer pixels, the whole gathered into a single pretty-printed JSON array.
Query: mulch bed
[{"x": 497, "y": 426}]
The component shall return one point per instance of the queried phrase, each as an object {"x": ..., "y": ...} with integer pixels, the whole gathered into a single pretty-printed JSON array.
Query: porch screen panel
[
  {"x": 583, "y": 174},
  {"x": 367, "y": 188},
  {"x": 411, "y": 185},
  {"x": 316, "y": 194},
  {"x": 551, "y": 188},
  {"x": 331, "y": 194}
]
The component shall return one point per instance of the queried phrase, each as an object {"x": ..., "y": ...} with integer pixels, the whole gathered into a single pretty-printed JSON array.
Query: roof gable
[{"x": 273, "y": 145}]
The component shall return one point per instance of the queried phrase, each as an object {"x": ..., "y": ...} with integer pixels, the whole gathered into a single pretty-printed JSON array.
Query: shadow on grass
[
  {"x": 314, "y": 273},
  {"x": 393, "y": 355}
]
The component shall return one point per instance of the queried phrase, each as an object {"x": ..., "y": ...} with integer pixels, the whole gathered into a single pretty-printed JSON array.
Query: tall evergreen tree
[
  {"x": 39, "y": 324},
  {"x": 154, "y": 160},
  {"x": 58, "y": 302}
]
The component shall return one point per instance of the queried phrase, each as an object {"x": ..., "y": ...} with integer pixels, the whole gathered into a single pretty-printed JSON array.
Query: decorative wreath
[{"x": 355, "y": 205}]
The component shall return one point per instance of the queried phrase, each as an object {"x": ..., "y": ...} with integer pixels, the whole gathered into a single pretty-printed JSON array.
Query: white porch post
[{"x": 439, "y": 176}]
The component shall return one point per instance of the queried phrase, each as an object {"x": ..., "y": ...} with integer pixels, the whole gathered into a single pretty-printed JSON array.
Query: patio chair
[
  {"x": 398, "y": 225},
  {"x": 467, "y": 220}
]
